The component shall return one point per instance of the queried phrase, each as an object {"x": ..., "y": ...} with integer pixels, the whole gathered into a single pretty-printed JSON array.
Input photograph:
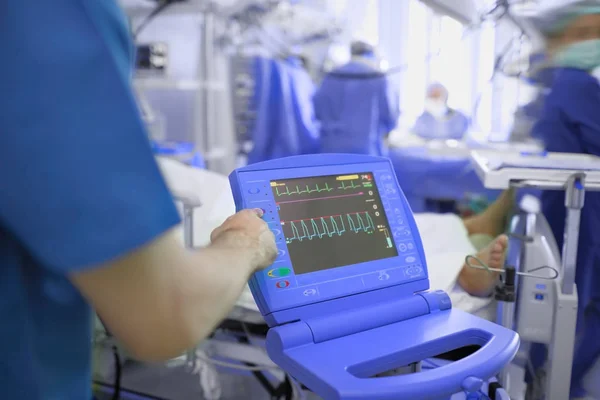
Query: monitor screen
[{"x": 332, "y": 221}]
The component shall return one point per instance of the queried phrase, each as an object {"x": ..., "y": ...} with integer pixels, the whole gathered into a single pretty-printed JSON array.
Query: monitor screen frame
[{"x": 268, "y": 299}]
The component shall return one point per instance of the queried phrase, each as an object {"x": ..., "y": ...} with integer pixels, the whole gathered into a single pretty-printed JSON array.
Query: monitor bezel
[{"x": 266, "y": 175}]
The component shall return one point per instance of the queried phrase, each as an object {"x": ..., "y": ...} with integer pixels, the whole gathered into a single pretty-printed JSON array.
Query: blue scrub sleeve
[{"x": 80, "y": 185}]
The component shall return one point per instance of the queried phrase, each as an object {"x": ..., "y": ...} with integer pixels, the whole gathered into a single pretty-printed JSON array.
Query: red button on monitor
[{"x": 282, "y": 284}]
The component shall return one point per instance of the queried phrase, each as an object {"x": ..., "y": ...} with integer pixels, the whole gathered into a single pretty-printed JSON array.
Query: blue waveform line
[{"x": 330, "y": 226}]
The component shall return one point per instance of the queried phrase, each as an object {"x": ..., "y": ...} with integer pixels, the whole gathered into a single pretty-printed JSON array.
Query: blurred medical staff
[
  {"x": 86, "y": 219},
  {"x": 356, "y": 106},
  {"x": 439, "y": 121},
  {"x": 570, "y": 122},
  {"x": 540, "y": 76}
]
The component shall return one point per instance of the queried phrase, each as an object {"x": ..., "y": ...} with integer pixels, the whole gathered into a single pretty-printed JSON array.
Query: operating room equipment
[
  {"x": 321, "y": 303},
  {"x": 425, "y": 168},
  {"x": 238, "y": 343},
  {"x": 192, "y": 91},
  {"x": 543, "y": 312}
]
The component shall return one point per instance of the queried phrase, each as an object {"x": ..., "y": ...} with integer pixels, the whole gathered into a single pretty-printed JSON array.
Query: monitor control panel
[{"x": 341, "y": 224}]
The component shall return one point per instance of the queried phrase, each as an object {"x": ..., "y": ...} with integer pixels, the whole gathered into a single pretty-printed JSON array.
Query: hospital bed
[
  {"x": 541, "y": 309},
  {"x": 424, "y": 168}
]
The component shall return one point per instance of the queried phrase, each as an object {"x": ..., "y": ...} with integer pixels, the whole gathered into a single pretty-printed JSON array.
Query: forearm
[
  {"x": 213, "y": 280},
  {"x": 163, "y": 299}
]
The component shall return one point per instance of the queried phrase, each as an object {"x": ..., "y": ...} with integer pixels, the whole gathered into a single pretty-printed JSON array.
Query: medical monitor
[
  {"x": 332, "y": 221},
  {"x": 341, "y": 224}
]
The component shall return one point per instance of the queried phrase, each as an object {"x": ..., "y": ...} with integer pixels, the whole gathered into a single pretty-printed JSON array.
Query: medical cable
[
  {"x": 163, "y": 4},
  {"x": 237, "y": 366},
  {"x": 226, "y": 364},
  {"x": 118, "y": 373},
  {"x": 107, "y": 336},
  {"x": 528, "y": 274}
]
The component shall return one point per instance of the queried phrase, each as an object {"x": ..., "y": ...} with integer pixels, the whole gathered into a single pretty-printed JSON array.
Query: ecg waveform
[
  {"x": 343, "y": 185},
  {"x": 281, "y": 192},
  {"x": 329, "y": 226}
]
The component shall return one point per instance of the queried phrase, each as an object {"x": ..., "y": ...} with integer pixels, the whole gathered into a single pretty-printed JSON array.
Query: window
[
  {"x": 414, "y": 81},
  {"x": 441, "y": 49},
  {"x": 451, "y": 61}
]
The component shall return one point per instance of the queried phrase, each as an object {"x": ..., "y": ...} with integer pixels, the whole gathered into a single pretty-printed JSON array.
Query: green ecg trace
[
  {"x": 331, "y": 226},
  {"x": 351, "y": 186},
  {"x": 304, "y": 190}
]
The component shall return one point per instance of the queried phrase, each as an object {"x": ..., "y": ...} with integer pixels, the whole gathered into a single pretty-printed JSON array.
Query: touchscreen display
[{"x": 332, "y": 221}]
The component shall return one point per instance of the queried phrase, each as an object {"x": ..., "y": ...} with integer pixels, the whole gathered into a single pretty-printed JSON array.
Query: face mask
[
  {"x": 436, "y": 108},
  {"x": 583, "y": 55},
  {"x": 596, "y": 73}
]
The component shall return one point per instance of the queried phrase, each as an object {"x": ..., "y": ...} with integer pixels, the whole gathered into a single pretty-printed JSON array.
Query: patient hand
[
  {"x": 478, "y": 282},
  {"x": 247, "y": 232}
]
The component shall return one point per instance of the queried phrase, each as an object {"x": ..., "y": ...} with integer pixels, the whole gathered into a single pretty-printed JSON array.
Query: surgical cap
[
  {"x": 360, "y": 48},
  {"x": 557, "y": 20}
]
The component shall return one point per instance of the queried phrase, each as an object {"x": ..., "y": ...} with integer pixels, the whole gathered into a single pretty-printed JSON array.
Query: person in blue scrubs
[
  {"x": 86, "y": 219},
  {"x": 285, "y": 123},
  {"x": 570, "y": 122},
  {"x": 302, "y": 92},
  {"x": 439, "y": 121},
  {"x": 357, "y": 106}
]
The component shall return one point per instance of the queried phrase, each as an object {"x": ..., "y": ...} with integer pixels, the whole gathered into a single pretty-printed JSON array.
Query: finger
[{"x": 255, "y": 212}]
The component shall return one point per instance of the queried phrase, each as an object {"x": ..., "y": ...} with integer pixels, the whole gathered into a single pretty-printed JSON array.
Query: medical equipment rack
[{"x": 545, "y": 171}]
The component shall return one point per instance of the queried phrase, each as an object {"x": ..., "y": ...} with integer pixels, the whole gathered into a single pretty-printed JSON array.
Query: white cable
[
  {"x": 226, "y": 364},
  {"x": 209, "y": 378}
]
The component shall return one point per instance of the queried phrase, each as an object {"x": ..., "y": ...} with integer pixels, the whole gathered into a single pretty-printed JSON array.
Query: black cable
[
  {"x": 133, "y": 392},
  {"x": 162, "y": 5},
  {"x": 118, "y": 374}
]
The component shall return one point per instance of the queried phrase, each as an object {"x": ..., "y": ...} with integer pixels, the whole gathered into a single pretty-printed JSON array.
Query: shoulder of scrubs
[
  {"x": 81, "y": 186},
  {"x": 577, "y": 93},
  {"x": 460, "y": 120}
]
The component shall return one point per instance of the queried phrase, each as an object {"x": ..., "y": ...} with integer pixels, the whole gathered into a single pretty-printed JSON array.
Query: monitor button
[
  {"x": 279, "y": 272},
  {"x": 414, "y": 271},
  {"x": 410, "y": 259},
  {"x": 254, "y": 190},
  {"x": 282, "y": 284},
  {"x": 383, "y": 276}
]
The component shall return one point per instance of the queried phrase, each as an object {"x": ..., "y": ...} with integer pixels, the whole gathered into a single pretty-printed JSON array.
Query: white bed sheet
[{"x": 444, "y": 237}]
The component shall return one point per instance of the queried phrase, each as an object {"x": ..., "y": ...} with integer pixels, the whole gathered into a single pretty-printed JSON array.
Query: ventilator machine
[{"x": 347, "y": 299}]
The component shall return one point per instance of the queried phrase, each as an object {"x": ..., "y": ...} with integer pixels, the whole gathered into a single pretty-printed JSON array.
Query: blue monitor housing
[{"x": 347, "y": 297}]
